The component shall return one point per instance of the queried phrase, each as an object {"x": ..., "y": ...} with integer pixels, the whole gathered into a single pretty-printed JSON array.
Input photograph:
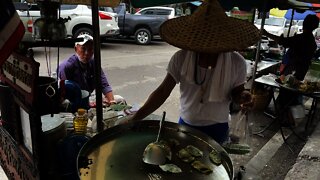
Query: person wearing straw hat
[
  {"x": 208, "y": 69},
  {"x": 79, "y": 71}
]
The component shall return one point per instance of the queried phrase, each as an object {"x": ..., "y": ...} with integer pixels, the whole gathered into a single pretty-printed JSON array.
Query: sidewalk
[
  {"x": 307, "y": 165},
  {"x": 2, "y": 174}
]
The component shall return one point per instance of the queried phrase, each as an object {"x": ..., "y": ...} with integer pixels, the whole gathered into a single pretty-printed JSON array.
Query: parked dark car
[{"x": 142, "y": 28}]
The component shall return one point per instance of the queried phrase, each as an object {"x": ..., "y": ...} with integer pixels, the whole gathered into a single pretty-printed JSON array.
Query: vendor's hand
[
  {"x": 127, "y": 119},
  {"x": 108, "y": 103},
  {"x": 246, "y": 100}
]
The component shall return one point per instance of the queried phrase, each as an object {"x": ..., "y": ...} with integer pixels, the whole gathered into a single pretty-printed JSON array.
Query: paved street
[{"x": 135, "y": 71}]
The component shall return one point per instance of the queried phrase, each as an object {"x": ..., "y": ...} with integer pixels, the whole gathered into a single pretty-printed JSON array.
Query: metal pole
[
  {"x": 257, "y": 57},
  {"x": 290, "y": 25},
  {"x": 97, "y": 60}
]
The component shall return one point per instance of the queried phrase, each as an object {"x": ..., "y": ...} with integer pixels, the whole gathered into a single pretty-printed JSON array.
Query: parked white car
[
  {"x": 278, "y": 26},
  {"x": 28, "y": 14},
  {"x": 80, "y": 23},
  {"x": 158, "y": 11},
  {"x": 300, "y": 26}
]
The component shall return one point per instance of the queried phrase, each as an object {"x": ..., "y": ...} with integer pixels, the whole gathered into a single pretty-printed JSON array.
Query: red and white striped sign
[{"x": 11, "y": 29}]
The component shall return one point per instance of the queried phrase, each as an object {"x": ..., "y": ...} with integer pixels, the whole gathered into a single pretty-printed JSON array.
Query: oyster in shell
[
  {"x": 185, "y": 156},
  {"x": 201, "y": 167},
  {"x": 215, "y": 157},
  {"x": 172, "y": 168},
  {"x": 194, "y": 151}
]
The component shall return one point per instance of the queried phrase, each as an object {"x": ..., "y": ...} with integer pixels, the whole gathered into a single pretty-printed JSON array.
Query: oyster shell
[
  {"x": 194, "y": 151},
  {"x": 170, "y": 168},
  {"x": 215, "y": 157},
  {"x": 201, "y": 167},
  {"x": 185, "y": 156}
]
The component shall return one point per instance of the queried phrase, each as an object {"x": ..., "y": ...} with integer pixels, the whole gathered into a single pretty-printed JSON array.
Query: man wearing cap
[
  {"x": 79, "y": 69},
  {"x": 210, "y": 73}
]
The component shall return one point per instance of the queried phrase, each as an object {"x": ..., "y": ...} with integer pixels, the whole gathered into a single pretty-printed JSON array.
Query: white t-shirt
[{"x": 192, "y": 110}]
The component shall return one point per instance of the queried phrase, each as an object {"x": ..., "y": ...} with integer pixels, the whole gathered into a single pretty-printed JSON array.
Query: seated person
[{"x": 79, "y": 71}]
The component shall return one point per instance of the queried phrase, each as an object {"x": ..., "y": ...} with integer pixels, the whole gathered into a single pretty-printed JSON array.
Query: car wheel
[
  {"x": 142, "y": 36},
  {"x": 81, "y": 31}
]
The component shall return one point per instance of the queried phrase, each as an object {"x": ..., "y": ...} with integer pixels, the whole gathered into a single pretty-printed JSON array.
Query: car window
[
  {"x": 272, "y": 21},
  {"x": 300, "y": 23},
  {"x": 34, "y": 7},
  {"x": 68, "y": 6},
  {"x": 178, "y": 11},
  {"x": 163, "y": 12},
  {"x": 106, "y": 9},
  {"x": 118, "y": 8},
  {"x": 288, "y": 23},
  {"x": 147, "y": 12}
]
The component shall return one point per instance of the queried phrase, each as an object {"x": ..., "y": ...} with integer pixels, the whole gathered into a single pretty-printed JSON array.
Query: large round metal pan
[{"x": 116, "y": 153}]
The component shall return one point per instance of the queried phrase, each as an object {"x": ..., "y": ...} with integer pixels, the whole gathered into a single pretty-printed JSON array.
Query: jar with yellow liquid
[{"x": 80, "y": 121}]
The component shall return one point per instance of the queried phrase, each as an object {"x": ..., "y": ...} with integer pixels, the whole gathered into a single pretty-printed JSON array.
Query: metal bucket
[
  {"x": 47, "y": 98},
  {"x": 84, "y": 99},
  {"x": 54, "y": 130}
]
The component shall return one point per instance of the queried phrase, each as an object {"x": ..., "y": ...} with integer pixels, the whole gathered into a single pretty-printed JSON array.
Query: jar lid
[{"x": 81, "y": 111}]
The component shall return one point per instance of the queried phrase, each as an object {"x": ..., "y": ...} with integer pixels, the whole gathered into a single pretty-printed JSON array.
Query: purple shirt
[{"x": 83, "y": 74}]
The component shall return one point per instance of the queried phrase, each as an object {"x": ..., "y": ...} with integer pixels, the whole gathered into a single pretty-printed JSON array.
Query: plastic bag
[
  {"x": 239, "y": 135},
  {"x": 239, "y": 129}
]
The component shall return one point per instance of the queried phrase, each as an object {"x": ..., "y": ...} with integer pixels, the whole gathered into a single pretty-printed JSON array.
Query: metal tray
[
  {"x": 310, "y": 94},
  {"x": 116, "y": 153}
]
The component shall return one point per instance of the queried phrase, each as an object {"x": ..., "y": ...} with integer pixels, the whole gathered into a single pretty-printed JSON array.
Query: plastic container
[{"x": 80, "y": 122}]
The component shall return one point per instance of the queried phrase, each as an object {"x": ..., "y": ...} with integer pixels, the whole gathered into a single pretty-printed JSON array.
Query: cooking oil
[{"x": 80, "y": 121}]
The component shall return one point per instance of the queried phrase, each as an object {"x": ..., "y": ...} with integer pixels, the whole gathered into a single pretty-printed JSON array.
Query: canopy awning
[
  {"x": 245, "y": 5},
  {"x": 108, "y": 3},
  {"x": 226, "y": 4}
]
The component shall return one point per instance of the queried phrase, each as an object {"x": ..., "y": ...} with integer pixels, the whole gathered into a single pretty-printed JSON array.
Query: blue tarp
[
  {"x": 196, "y": 3},
  {"x": 296, "y": 15}
]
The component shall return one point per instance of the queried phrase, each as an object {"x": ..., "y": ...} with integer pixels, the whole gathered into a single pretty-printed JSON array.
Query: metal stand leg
[
  {"x": 285, "y": 139},
  {"x": 259, "y": 133},
  {"x": 311, "y": 113}
]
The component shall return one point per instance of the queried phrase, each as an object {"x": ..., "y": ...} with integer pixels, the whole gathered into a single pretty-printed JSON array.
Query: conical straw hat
[{"x": 209, "y": 30}]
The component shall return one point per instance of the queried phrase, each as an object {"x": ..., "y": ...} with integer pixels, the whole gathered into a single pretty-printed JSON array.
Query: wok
[{"x": 116, "y": 153}]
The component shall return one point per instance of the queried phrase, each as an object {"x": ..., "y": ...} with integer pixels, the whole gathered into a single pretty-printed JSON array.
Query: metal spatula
[{"x": 154, "y": 153}]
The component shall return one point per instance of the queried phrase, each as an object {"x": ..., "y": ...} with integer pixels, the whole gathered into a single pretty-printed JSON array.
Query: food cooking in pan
[
  {"x": 185, "y": 156},
  {"x": 215, "y": 157},
  {"x": 201, "y": 167},
  {"x": 194, "y": 151},
  {"x": 172, "y": 168},
  {"x": 189, "y": 154}
]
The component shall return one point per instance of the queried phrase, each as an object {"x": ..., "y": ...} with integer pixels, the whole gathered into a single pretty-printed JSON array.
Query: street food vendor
[
  {"x": 210, "y": 73},
  {"x": 79, "y": 71},
  {"x": 302, "y": 48}
]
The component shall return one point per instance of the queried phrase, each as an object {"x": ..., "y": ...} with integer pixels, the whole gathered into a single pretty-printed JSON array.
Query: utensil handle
[{"x": 161, "y": 122}]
